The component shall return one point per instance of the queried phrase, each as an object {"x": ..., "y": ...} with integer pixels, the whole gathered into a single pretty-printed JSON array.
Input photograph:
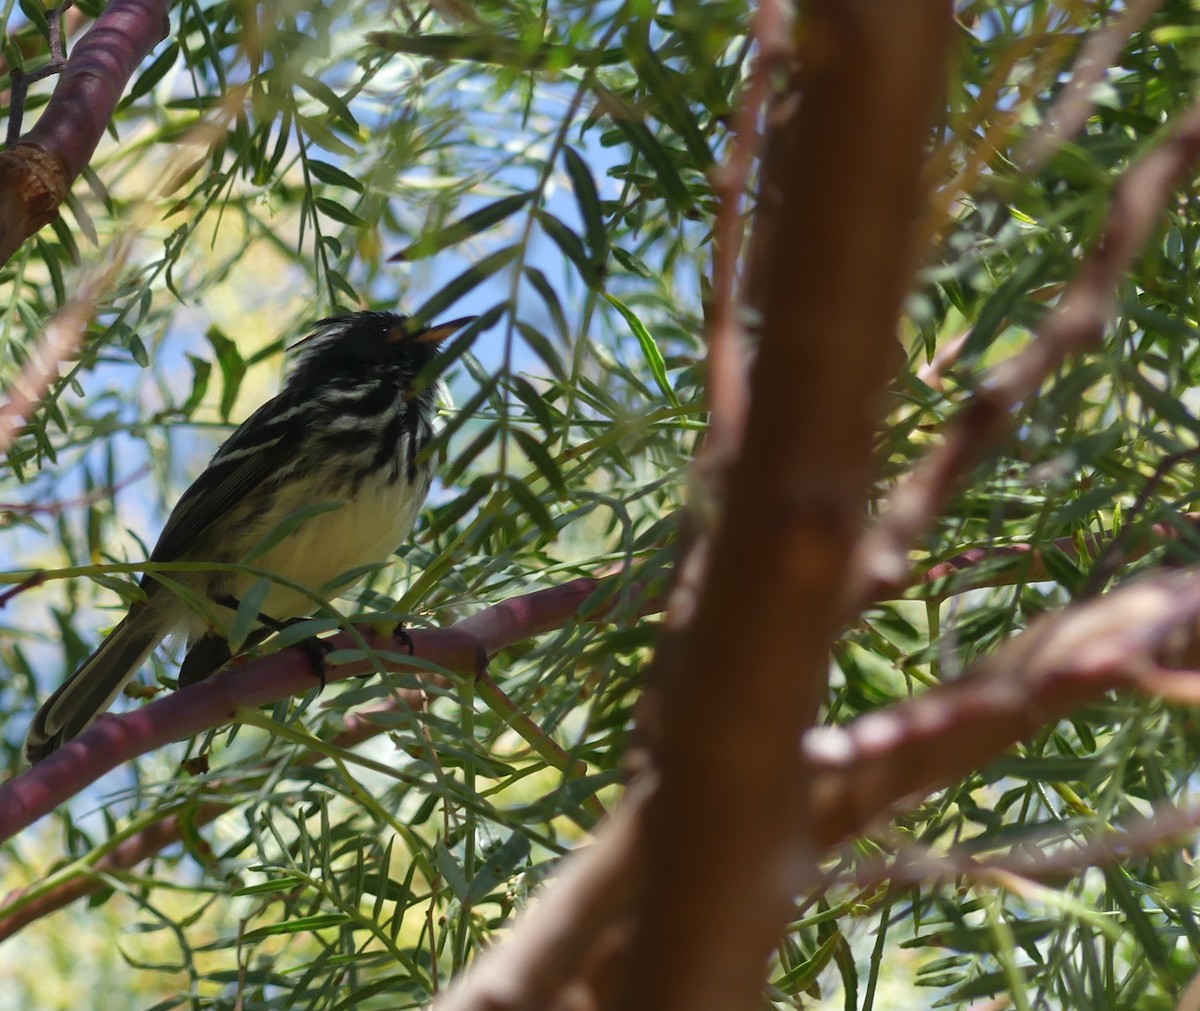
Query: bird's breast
[{"x": 378, "y": 504}]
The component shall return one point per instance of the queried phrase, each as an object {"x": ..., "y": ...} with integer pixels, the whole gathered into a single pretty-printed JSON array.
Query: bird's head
[{"x": 366, "y": 341}]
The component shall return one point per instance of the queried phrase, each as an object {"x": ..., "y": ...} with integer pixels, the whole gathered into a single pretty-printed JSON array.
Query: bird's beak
[{"x": 440, "y": 331}]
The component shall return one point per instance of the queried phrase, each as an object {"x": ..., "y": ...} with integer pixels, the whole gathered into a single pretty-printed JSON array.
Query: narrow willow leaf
[
  {"x": 330, "y": 99},
  {"x": 466, "y": 282},
  {"x": 232, "y": 366},
  {"x": 496, "y": 50},
  {"x": 571, "y": 245},
  {"x": 500, "y": 864},
  {"x": 332, "y": 175},
  {"x": 667, "y": 90},
  {"x": 999, "y": 307},
  {"x": 546, "y": 290},
  {"x": 299, "y": 925},
  {"x": 288, "y": 524},
  {"x": 653, "y": 357},
  {"x": 533, "y": 506},
  {"x": 151, "y": 76},
  {"x": 338, "y": 212},
  {"x": 543, "y": 349},
  {"x": 249, "y": 608},
  {"x": 588, "y": 198},
  {"x": 535, "y": 449},
  {"x": 465, "y": 227},
  {"x": 130, "y": 592},
  {"x": 666, "y": 175}
]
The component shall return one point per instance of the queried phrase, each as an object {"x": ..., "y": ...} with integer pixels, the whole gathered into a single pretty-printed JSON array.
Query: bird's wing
[{"x": 264, "y": 444}]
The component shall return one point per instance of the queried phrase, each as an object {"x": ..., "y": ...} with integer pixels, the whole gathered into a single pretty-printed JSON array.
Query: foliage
[{"x": 548, "y": 168}]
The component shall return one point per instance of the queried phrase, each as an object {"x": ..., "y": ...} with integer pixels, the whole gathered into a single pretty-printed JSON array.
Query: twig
[
  {"x": 1076, "y": 325},
  {"x": 1120, "y": 640},
  {"x": 30, "y": 43},
  {"x": 62, "y": 505},
  {"x": 1027, "y": 562},
  {"x": 1113, "y": 554},
  {"x": 113, "y": 740},
  {"x": 914, "y": 866},
  {"x": 36, "y": 170},
  {"x": 1071, "y": 110},
  {"x": 22, "y": 79},
  {"x": 27, "y": 584},
  {"x": 726, "y": 339}
]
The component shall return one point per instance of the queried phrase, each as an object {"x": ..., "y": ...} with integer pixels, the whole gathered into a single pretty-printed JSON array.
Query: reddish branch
[
  {"x": 114, "y": 740},
  {"x": 726, "y": 338},
  {"x": 856, "y": 774},
  {"x": 849, "y": 778},
  {"x": 1038, "y": 860},
  {"x": 1012, "y": 563},
  {"x": 59, "y": 341},
  {"x": 23, "y": 906},
  {"x": 1073, "y": 107},
  {"x": 37, "y": 172},
  {"x": 841, "y": 177},
  {"x": 1074, "y": 326}
]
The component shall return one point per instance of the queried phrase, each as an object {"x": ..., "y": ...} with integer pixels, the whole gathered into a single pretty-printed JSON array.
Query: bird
[{"x": 346, "y": 431}]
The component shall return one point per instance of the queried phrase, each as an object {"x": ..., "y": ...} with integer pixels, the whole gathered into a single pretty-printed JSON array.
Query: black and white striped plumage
[{"x": 346, "y": 427}]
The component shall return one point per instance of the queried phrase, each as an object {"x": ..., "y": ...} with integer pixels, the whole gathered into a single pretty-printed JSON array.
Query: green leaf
[
  {"x": 532, "y": 507},
  {"x": 661, "y": 161},
  {"x": 588, "y": 199},
  {"x": 465, "y": 227},
  {"x": 546, "y": 290},
  {"x": 246, "y": 616},
  {"x": 151, "y": 75},
  {"x": 291, "y": 522},
  {"x": 297, "y": 925},
  {"x": 130, "y": 592},
  {"x": 571, "y": 245},
  {"x": 1000, "y": 308},
  {"x": 332, "y": 175},
  {"x": 232, "y": 366},
  {"x": 339, "y": 213},
  {"x": 499, "y": 865},
  {"x": 201, "y": 371},
  {"x": 327, "y": 97},
  {"x": 535, "y": 449},
  {"x": 466, "y": 282},
  {"x": 650, "y": 352}
]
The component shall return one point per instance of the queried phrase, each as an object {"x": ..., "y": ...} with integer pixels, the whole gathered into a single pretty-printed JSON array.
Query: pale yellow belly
[{"x": 363, "y": 531}]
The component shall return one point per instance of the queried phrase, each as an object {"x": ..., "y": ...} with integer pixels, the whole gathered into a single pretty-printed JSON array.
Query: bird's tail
[{"x": 93, "y": 687}]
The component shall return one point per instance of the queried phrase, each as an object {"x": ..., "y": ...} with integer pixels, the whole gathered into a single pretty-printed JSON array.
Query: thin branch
[
  {"x": 1114, "y": 552},
  {"x": 1073, "y": 107},
  {"x": 28, "y": 44},
  {"x": 857, "y": 773},
  {"x": 1075, "y": 326},
  {"x": 60, "y": 340},
  {"x": 22, "y": 79},
  {"x": 852, "y": 776},
  {"x": 113, "y": 740},
  {"x": 1039, "y": 861},
  {"x": 25, "y": 905},
  {"x": 1009, "y": 564},
  {"x": 37, "y": 171},
  {"x": 727, "y": 372},
  {"x": 839, "y": 184},
  {"x": 60, "y": 506}
]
